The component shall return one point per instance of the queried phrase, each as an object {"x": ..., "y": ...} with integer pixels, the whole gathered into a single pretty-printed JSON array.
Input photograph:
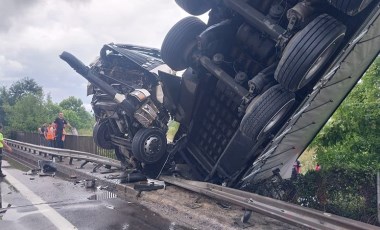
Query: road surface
[{"x": 35, "y": 202}]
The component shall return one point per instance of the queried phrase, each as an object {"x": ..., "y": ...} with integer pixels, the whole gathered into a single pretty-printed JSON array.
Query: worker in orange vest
[{"x": 50, "y": 134}]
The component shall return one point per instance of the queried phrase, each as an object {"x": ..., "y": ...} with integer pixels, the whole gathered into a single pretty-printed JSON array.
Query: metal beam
[
  {"x": 286, "y": 212},
  {"x": 72, "y": 154}
]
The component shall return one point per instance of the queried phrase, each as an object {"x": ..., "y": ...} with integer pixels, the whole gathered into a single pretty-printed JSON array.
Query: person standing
[
  {"x": 41, "y": 132},
  {"x": 3, "y": 144},
  {"x": 60, "y": 125},
  {"x": 296, "y": 170},
  {"x": 50, "y": 134}
]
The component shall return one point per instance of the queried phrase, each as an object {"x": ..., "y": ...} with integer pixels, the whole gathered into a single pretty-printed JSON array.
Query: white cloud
[{"x": 33, "y": 33}]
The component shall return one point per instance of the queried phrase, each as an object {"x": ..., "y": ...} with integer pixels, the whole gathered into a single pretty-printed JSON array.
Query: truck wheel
[
  {"x": 102, "y": 136},
  {"x": 350, "y": 7},
  {"x": 265, "y": 113},
  {"x": 149, "y": 145},
  {"x": 308, "y": 51},
  {"x": 180, "y": 41},
  {"x": 194, "y": 7}
]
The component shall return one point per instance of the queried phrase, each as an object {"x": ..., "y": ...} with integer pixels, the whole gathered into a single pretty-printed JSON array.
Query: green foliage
[
  {"x": 3, "y": 103},
  {"x": 23, "y": 108},
  {"x": 80, "y": 120},
  {"x": 346, "y": 192},
  {"x": 23, "y": 87},
  {"x": 71, "y": 103},
  {"x": 51, "y": 110},
  {"x": 76, "y": 114},
  {"x": 351, "y": 137},
  {"x": 27, "y": 114}
]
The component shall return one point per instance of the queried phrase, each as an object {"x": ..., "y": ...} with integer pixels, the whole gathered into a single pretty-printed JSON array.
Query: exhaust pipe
[{"x": 83, "y": 70}]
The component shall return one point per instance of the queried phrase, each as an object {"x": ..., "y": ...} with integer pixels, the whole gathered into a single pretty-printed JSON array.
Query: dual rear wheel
[{"x": 304, "y": 56}]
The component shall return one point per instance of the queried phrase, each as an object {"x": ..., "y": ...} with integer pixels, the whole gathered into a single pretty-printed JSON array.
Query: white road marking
[{"x": 53, "y": 216}]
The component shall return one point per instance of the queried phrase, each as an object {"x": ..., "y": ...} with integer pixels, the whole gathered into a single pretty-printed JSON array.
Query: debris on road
[
  {"x": 47, "y": 166},
  {"x": 147, "y": 187}
]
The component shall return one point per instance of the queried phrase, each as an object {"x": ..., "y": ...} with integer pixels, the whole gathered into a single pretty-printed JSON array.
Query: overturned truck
[{"x": 246, "y": 73}]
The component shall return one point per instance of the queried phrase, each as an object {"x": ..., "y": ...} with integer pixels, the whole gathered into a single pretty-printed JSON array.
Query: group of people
[
  {"x": 53, "y": 134},
  {"x": 296, "y": 170}
]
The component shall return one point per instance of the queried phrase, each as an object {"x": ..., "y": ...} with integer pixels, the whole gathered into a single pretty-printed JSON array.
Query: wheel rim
[
  {"x": 149, "y": 145},
  {"x": 152, "y": 146},
  {"x": 276, "y": 118},
  {"x": 320, "y": 61}
]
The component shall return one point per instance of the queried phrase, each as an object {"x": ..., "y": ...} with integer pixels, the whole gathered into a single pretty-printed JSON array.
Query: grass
[{"x": 308, "y": 160}]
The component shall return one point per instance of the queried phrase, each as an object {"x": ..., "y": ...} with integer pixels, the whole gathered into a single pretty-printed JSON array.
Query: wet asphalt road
[{"x": 34, "y": 202}]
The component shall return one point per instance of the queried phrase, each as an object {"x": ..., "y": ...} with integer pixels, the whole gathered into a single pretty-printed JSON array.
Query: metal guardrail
[
  {"x": 280, "y": 210},
  {"x": 286, "y": 212},
  {"x": 72, "y": 154},
  {"x": 79, "y": 143}
]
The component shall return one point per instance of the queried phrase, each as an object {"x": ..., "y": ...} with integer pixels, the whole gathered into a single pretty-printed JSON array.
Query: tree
[
  {"x": 3, "y": 102},
  {"x": 76, "y": 114},
  {"x": 72, "y": 103},
  {"x": 23, "y": 108},
  {"x": 51, "y": 110},
  {"x": 351, "y": 137},
  {"x": 27, "y": 113},
  {"x": 23, "y": 87}
]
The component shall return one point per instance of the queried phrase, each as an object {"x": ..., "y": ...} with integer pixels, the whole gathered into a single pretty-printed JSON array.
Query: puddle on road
[{"x": 103, "y": 195}]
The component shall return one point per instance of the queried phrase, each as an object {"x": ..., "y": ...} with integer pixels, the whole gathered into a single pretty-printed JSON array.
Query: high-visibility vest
[{"x": 50, "y": 134}]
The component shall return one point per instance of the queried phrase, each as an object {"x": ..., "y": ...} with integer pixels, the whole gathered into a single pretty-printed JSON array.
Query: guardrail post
[{"x": 83, "y": 164}]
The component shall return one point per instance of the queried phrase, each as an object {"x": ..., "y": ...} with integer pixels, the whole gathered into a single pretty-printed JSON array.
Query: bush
[{"x": 349, "y": 193}]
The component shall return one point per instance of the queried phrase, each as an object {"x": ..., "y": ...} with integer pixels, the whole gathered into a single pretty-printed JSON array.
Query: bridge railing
[{"x": 72, "y": 142}]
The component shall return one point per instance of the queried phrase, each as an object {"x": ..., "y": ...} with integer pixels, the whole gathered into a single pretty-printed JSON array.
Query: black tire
[
  {"x": 350, "y": 7},
  {"x": 308, "y": 51},
  {"x": 101, "y": 134},
  {"x": 179, "y": 41},
  {"x": 194, "y": 7},
  {"x": 149, "y": 145},
  {"x": 265, "y": 113}
]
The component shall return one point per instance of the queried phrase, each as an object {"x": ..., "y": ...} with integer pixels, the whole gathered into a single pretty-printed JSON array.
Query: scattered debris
[
  {"x": 102, "y": 187},
  {"x": 108, "y": 171},
  {"x": 47, "y": 166},
  {"x": 47, "y": 174},
  {"x": 32, "y": 172},
  {"x": 110, "y": 206},
  {"x": 157, "y": 182},
  {"x": 89, "y": 183},
  {"x": 115, "y": 176},
  {"x": 147, "y": 187},
  {"x": 133, "y": 177}
]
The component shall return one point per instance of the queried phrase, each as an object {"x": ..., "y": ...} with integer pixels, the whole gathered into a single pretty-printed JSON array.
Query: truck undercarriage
[{"x": 247, "y": 75}]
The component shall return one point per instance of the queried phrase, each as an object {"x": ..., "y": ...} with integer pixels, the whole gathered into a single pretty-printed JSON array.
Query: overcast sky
[{"x": 34, "y": 32}]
